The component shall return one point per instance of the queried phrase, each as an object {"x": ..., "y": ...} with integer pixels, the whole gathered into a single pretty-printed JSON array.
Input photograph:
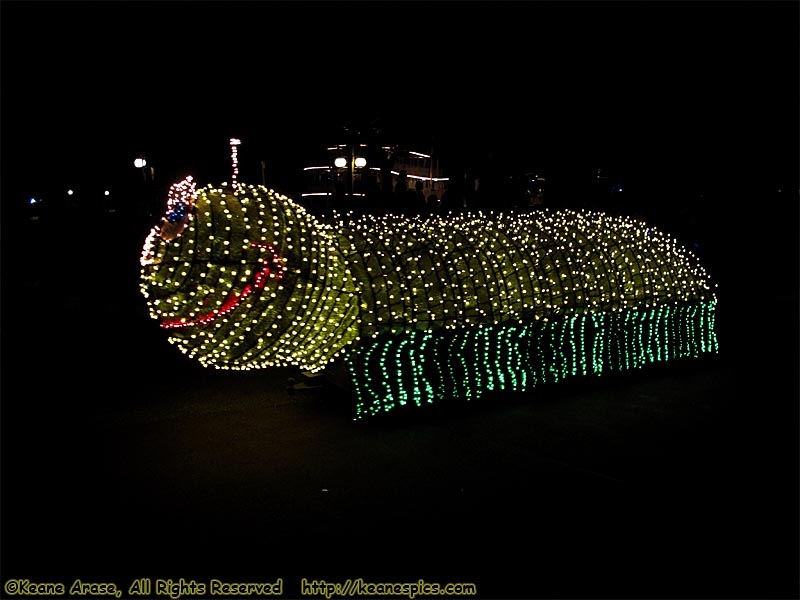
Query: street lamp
[
  {"x": 354, "y": 162},
  {"x": 141, "y": 163},
  {"x": 148, "y": 201}
]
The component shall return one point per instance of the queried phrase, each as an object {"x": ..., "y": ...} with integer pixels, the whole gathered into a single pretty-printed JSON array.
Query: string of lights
[
  {"x": 390, "y": 371},
  {"x": 420, "y": 308}
]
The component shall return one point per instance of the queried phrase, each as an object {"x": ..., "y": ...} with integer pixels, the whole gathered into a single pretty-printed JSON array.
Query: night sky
[{"x": 702, "y": 93}]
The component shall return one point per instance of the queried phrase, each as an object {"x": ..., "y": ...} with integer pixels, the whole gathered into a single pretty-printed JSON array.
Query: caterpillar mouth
[{"x": 274, "y": 268}]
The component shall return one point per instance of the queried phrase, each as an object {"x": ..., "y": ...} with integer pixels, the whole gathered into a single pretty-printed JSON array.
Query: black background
[{"x": 694, "y": 104}]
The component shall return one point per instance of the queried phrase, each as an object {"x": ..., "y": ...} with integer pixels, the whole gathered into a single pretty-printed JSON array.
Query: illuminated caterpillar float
[{"x": 421, "y": 310}]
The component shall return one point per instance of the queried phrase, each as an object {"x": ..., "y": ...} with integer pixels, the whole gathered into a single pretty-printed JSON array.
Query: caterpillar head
[{"x": 242, "y": 277}]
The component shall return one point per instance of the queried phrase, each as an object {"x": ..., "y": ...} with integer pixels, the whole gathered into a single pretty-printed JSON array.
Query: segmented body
[
  {"x": 465, "y": 270},
  {"x": 246, "y": 278}
]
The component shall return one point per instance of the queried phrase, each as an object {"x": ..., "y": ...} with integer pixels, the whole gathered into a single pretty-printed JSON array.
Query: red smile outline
[{"x": 258, "y": 281}]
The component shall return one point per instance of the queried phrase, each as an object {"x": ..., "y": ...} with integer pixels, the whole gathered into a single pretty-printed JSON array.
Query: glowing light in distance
[
  {"x": 428, "y": 178},
  {"x": 340, "y": 162},
  {"x": 325, "y": 194},
  {"x": 140, "y": 163},
  {"x": 361, "y": 162}
]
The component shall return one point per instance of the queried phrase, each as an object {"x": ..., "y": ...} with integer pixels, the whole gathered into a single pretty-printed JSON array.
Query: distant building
[{"x": 350, "y": 176}]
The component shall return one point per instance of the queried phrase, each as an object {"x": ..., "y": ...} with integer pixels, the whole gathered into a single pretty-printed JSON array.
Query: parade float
[{"x": 420, "y": 310}]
